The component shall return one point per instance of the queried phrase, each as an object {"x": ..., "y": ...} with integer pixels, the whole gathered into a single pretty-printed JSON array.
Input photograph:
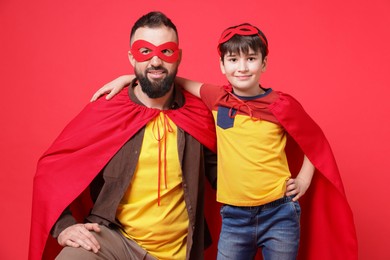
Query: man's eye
[
  {"x": 144, "y": 51},
  {"x": 167, "y": 52}
]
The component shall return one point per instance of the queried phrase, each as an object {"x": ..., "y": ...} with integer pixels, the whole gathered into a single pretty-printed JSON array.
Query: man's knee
[{"x": 77, "y": 253}]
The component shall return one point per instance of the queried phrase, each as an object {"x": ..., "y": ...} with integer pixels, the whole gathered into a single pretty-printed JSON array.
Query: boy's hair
[
  {"x": 240, "y": 39},
  {"x": 153, "y": 20}
]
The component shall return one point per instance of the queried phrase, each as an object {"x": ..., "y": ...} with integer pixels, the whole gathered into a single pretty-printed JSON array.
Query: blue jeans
[{"x": 274, "y": 227}]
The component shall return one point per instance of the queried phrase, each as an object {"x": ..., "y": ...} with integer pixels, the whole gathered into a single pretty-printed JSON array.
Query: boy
[{"x": 255, "y": 186}]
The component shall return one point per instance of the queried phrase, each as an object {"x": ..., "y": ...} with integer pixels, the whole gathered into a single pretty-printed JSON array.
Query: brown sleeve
[
  {"x": 65, "y": 220},
  {"x": 211, "y": 167}
]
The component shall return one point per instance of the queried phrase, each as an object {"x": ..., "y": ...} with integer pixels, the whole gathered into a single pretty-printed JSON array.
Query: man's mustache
[{"x": 157, "y": 68}]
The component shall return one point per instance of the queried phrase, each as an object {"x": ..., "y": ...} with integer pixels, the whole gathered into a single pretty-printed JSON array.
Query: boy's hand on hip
[{"x": 297, "y": 187}]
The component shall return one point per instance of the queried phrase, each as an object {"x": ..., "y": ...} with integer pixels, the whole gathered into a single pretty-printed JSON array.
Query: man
[{"x": 141, "y": 159}]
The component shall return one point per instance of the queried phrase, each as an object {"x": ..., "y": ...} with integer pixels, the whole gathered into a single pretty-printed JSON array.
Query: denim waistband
[
  {"x": 277, "y": 202},
  {"x": 271, "y": 204}
]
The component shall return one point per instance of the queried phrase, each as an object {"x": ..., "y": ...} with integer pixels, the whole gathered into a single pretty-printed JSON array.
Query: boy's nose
[{"x": 243, "y": 66}]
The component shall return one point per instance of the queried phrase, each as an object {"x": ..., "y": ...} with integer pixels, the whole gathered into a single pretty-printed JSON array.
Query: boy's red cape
[
  {"x": 327, "y": 225},
  {"x": 85, "y": 146},
  {"x": 97, "y": 133}
]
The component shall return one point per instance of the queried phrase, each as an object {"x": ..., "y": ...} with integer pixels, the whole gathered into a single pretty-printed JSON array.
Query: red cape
[
  {"x": 327, "y": 225},
  {"x": 86, "y": 145}
]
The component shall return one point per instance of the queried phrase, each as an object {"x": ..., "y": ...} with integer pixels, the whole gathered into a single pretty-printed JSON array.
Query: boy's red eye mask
[
  {"x": 244, "y": 30},
  {"x": 158, "y": 51}
]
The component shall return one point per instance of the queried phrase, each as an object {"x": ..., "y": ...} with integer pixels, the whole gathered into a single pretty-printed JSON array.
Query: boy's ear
[
  {"x": 222, "y": 66},
  {"x": 264, "y": 65}
]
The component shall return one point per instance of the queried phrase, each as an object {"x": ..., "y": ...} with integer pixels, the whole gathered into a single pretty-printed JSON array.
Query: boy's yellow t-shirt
[
  {"x": 159, "y": 229},
  {"x": 252, "y": 164}
]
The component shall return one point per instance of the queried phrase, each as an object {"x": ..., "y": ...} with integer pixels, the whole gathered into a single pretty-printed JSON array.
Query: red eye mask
[
  {"x": 171, "y": 56},
  {"x": 244, "y": 30}
]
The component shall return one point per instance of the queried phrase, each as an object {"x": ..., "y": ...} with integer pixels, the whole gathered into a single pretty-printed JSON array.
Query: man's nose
[{"x": 155, "y": 61}]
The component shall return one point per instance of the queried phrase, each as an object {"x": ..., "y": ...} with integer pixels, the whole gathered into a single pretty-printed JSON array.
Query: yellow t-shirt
[
  {"x": 160, "y": 229},
  {"x": 252, "y": 164}
]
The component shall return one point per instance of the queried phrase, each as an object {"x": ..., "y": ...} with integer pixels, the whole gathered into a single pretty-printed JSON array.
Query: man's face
[{"x": 155, "y": 75}]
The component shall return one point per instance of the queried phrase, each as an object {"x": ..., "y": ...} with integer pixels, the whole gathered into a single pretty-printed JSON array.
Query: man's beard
[{"x": 157, "y": 88}]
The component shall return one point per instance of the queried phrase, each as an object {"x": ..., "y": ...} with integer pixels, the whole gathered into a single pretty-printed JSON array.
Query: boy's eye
[
  {"x": 232, "y": 59},
  {"x": 167, "y": 52}
]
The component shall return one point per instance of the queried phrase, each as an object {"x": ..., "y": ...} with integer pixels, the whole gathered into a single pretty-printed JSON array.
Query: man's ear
[
  {"x": 131, "y": 58},
  {"x": 180, "y": 56},
  {"x": 264, "y": 65},
  {"x": 222, "y": 66}
]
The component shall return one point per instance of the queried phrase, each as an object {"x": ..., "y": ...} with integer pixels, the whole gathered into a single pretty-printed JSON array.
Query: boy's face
[{"x": 243, "y": 71}]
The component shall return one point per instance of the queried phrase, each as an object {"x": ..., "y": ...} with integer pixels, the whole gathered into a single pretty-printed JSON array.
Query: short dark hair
[
  {"x": 242, "y": 43},
  {"x": 153, "y": 20}
]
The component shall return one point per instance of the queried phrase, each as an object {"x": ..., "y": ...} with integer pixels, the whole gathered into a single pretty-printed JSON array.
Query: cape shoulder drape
[{"x": 86, "y": 145}]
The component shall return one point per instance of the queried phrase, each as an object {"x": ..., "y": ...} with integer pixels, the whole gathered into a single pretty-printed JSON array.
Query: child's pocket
[{"x": 224, "y": 120}]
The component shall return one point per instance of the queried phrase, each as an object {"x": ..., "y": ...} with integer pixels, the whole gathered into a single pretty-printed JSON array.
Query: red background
[{"x": 331, "y": 55}]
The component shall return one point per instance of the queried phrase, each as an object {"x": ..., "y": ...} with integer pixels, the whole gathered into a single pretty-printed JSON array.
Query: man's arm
[
  {"x": 79, "y": 235},
  {"x": 210, "y": 159},
  {"x": 65, "y": 220},
  {"x": 69, "y": 233}
]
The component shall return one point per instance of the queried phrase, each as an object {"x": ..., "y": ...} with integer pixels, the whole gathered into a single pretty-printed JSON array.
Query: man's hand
[{"x": 79, "y": 235}]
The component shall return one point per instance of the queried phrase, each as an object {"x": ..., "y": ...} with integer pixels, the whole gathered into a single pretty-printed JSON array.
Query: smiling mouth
[
  {"x": 243, "y": 77},
  {"x": 156, "y": 74}
]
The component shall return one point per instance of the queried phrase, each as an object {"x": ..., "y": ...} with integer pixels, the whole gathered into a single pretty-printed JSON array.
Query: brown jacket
[{"x": 110, "y": 185}]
